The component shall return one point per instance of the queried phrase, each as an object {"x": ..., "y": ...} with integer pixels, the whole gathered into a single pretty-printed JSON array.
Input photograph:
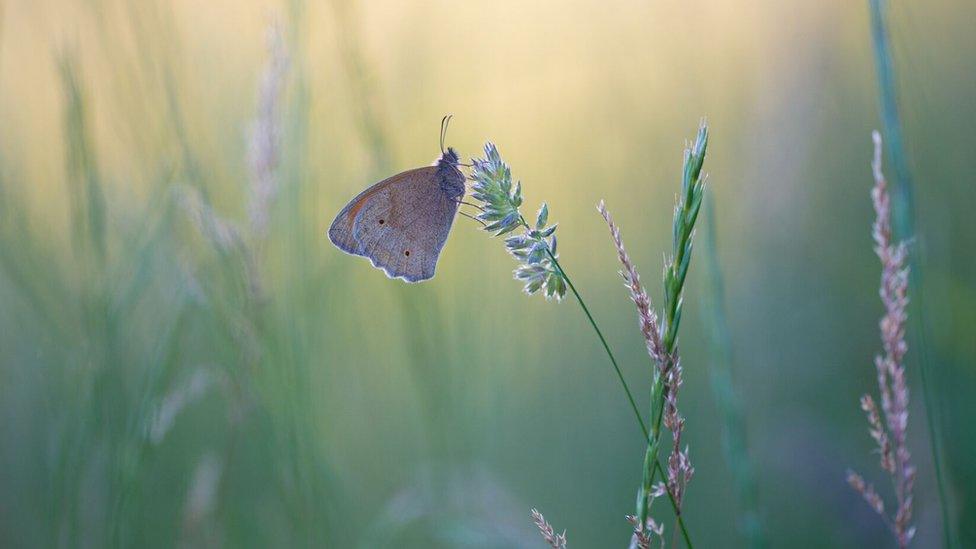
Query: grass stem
[
  {"x": 904, "y": 226},
  {"x": 540, "y": 269},
  {"x": 667, "y": 376},
  {"x": 603, "y": 341},
  {"x": 727, "y": 400},
  {"x": 630, "y": 396}
]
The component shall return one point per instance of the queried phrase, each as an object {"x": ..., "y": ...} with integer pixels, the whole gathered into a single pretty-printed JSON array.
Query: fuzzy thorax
[{"x": 449, "y": 175}]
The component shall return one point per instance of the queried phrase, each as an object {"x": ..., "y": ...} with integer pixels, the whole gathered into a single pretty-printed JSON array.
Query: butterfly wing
[
  {"x": 341, "y": 230},
  {"x": 400, "y": 224}
]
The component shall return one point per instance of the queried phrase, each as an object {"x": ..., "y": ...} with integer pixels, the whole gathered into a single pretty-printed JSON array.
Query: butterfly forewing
[
  {"x": 400, "y": 224},
  {"x": 341, "y": 231}
]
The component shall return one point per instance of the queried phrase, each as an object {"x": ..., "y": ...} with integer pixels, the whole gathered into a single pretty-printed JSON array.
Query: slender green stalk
[
  {"x": 653, "y": 445},
  {"x": 655, "y": 465},
  {"x": 904, "y": 227},
  {"x": 727, "y": 400},
  {"x": 676, "y": 270},
  {"x": 606, "y": 346},
  {"x": 535, "y": 249}
]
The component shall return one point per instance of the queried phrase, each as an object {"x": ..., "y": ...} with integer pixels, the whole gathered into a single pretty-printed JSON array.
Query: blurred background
[{"x": 186, "y": 360}]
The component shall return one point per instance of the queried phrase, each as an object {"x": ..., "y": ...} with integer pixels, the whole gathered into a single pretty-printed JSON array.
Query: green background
[{"x": 151, "y": 396}]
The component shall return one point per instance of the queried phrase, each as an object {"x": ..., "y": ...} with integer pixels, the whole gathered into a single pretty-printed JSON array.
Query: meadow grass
[
  {"x": 535, "y": 249},
  {"x": 903, "y": 220},
  {"x": 184, "y": 364},
  {"x": 223, "y": 334},
  {"x": 726, "y": 394},
  {"x": 889, "y": 424}
]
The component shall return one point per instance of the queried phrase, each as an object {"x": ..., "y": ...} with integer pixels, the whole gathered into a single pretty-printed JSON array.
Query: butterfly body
[{"x": 402, "y": 222}]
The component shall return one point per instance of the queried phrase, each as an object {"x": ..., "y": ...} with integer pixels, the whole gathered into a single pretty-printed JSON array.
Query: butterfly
[{"x": 402, "y": 222}]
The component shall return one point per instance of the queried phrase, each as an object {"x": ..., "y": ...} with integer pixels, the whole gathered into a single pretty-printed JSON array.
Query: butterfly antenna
[{"x": 444, "y": 123}]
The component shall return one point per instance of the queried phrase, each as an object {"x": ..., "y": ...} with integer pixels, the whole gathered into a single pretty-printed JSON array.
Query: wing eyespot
[
  {"x": 407, "y": 253},
  {"x": 382, "y": 221}
]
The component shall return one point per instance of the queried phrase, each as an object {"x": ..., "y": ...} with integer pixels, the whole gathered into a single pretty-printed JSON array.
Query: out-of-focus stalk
[
  {"x": 903, "y": 221},
  {"x": 734, "y": 442},
  {"x": 889, "y": 426}
]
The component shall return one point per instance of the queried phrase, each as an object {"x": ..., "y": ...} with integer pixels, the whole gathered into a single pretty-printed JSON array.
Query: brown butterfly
[{"x": 402, "y": 222}]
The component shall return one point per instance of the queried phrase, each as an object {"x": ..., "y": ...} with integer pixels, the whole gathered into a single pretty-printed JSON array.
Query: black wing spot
[
  {"x": 382, "y": 222},
  {"x": 407, "y": 253}
]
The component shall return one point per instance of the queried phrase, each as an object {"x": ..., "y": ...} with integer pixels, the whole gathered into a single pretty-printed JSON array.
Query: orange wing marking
[
  {"x": 362, "y": 202},
  {"x": 377, "y": 188}
]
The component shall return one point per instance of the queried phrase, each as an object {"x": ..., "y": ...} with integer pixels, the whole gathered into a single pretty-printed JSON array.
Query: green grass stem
[
  {"x": 727, "y": 400},
  {"x": 903, "y": 213},
  {"x": 656, "y": 463},
  {"x": 676, "y": 270}
]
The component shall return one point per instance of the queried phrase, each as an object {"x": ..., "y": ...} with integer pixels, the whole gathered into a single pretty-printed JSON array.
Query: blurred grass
[
  {"x": 727, "y": 397},
  {"x": 348, "y": 410},
  {"x": 904, "y": 226}
]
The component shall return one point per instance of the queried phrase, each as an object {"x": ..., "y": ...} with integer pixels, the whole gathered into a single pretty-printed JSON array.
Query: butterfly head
[
  {"x": 449, "y": 175},
  {"x": 449, "y": 158}
]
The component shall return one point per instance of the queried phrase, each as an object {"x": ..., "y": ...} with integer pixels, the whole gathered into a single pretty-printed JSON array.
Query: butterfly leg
[
  {"x": 459, "y": 202},
  {"x": 469, "y": 216}
]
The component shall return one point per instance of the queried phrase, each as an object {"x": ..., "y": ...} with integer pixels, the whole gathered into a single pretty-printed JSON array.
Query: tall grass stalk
[
  {"x": 667, "y": 375},
  {"x": 903, "y": 221},
  {"x": 650, "y": 329},
  {"x": 290, "y": 313},
  {"x": 536, "y": 250},
  {"x": 655, "y": 466},
  {"x": 727, "y": 400},
  {"x": 889, "y": 425},
  {"x": 101, "y": 343},
  {"x": 264, "y": 141}
]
